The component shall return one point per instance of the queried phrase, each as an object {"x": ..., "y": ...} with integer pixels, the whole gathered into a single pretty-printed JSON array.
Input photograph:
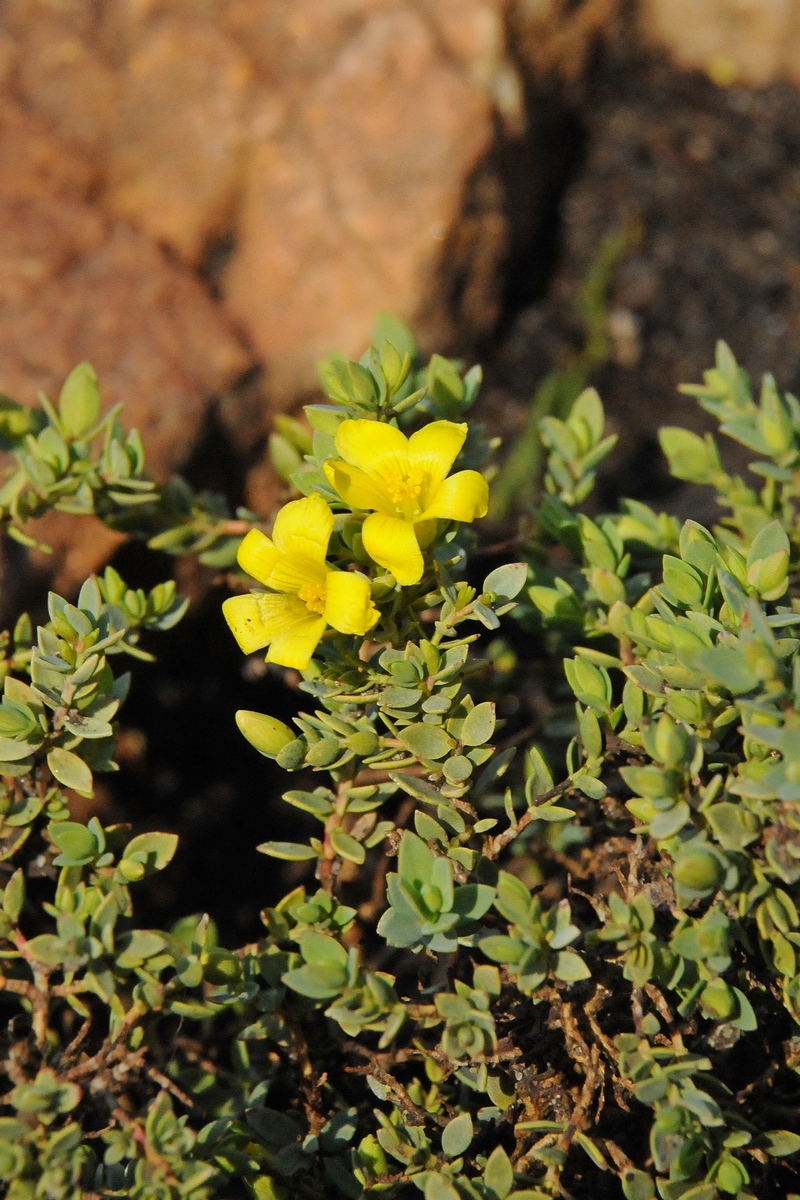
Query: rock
[
  {"x": 59, "y": 72},
  {"x": 339, "y": 147},
  {"x": 349, "y": 208},
  {"x": 175, "y": 151},
  {"x": 746, "y": 41},
  {"x": 292, "y": 41},
  {"x": 555, "y": 38},
  {"x": 33, "y": 164},
  {"x": 77, "y": 547},
  {"x": 77, "y": 285}
]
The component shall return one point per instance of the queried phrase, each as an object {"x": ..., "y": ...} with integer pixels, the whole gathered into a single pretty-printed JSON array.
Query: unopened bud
[
  {"x": 699, "y": 870},
  {"x": 263, "y": 732}
]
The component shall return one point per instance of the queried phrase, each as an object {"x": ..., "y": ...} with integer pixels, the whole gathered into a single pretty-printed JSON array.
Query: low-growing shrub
[{"x": 525, "y": 961}]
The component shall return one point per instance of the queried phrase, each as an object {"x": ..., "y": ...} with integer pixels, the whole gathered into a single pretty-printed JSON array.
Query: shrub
[{"x": 523, "y": 963}]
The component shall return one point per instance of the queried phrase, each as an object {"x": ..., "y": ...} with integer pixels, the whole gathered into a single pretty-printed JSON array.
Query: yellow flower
[
  {"x": 403, "y": 481},
  {"x": 306, "y": 594}
]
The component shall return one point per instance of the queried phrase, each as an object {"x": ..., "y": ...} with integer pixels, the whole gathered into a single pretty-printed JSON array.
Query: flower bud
[
  {"x": 79, "y": 402},
  {"x": 699, "y": 870},
  {"x": 774, "y": 424},
  {"x": 265, "y": 733},
  {"x": 607, "y": 586},
  {"x": 769, "y": 576},
  {"x": 671, "y": 742},
  {"x": 718, "y": 999}
]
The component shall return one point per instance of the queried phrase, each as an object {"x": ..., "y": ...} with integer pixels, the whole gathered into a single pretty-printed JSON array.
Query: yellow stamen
[
  {"x": 403, "y": 485},
  {"x": 313, "y": 596}
]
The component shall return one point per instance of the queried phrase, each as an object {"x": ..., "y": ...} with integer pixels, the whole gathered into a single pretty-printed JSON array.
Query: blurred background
[{"x": 204, "y": 197}]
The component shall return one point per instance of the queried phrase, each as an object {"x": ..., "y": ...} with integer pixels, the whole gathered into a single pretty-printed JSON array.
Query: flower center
[
  {"x": 313, "y": 596},
  {"x": 403, "y": 484}
]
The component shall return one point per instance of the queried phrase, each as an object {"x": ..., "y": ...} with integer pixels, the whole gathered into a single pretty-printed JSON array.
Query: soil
[{"x": 711, "y": 179}]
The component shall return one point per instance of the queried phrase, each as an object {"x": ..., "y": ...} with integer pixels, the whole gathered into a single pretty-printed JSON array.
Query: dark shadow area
[
  {"x": 187, "y": 769},
  {"x": 534, "y": 197}
]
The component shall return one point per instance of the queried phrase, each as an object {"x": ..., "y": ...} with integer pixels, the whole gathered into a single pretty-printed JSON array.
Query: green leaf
[
  {"x": 698, "y": 548},
  {"x": 457, "y": 1135},
  {"x": 46, "y": 949},
  {"x": 310, "y": 802},
  {"x": 70, "y": 771},
  {"x": 78, "y": 845},
  {"x": 684, "y": 583},
  {"x": 734, "y": 827},
  {"x": 437, "y": 1187},
  {"x": 502, "y": 949},
  {"x": 588, "y": 1146},
  {"x": 728, "y": 667},
  {"x": 772, "y": 539},
  {"x": 570, "y": 967},
  {"x": 137, "y": 946},
  {"x": 153, "y": 850},
  {"x": 637, "y": 1185},
  {"x": 420, "y": 789},
  {"x": 317, "y": 981},
  {"x": 415, "y": 860},
  {"x": 499, "y": 1174},
  {"x": 79, "y": 401},
  {"x": 426, "y": 741},
  {"x": 478, "y": 725},
  {"x": 346, "y": 846},
  {"x": 473, "y": 900},
  {"x": 290, "y": 851},
  {"x": 702, "y": 1191},
  {"x": 780, "y": 1142},
  {"x": 321, "y": 949},
  {"x": 12, "y": 750},
  {"x": 14, "y": 896},
  {"x": 390, "y": 328},
  {"x": 688, "y": 455},
  {"x": 507, "y": 581}
]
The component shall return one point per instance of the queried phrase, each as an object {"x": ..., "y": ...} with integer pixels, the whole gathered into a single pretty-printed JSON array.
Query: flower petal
[
  {"x": 355, "y": 487},
  {"x": 435, "y": 448},
  {"x": 284, "y": 622},
  {"x": 303, "y": 528},
  {"x": 257, "y": 555},
  {"x": 393, "y": 544},
  {"x": 247, "y": 625},
  {"x": 348, "y": 604},
  {"x": 366, "y": 444},
  {"x": 294, "y": 647},
  {"x": 291, "y": 572},
  {"x": 462, "y": 497}
]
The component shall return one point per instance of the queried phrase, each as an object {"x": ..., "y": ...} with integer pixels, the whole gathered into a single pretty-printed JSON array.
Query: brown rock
[
  {"x": 39, "y": 236},
  {"x": 750, "y": 41},
  {"x": 556, "y": 37},
  {"x": 75, "y": 286},
  {"x": 347, "y": 212},
  {"x": 337, "y": 140},
  {"x": 32, "y": 163},
  {"x": 474, "y": 33},
  {"x": 77, "y": 547},
  {"x": 175, "y": 152},
  {"x": 157, "y": 341},
  {"x": 59, "y": 72},
  {"x": 291, "y": 41}
]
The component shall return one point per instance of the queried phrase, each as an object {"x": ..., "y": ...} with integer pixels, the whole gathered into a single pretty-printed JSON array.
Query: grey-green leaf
[{"x": 457, "y": 1135}]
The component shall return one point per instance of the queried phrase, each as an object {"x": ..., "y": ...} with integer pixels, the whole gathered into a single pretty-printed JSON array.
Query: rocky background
[
  {"x": 203, "y": 197},
  {"x": 199, "y": 192}
]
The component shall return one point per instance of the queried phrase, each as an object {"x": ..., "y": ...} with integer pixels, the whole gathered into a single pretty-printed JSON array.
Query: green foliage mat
[{"x": 535, "y": 964}]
